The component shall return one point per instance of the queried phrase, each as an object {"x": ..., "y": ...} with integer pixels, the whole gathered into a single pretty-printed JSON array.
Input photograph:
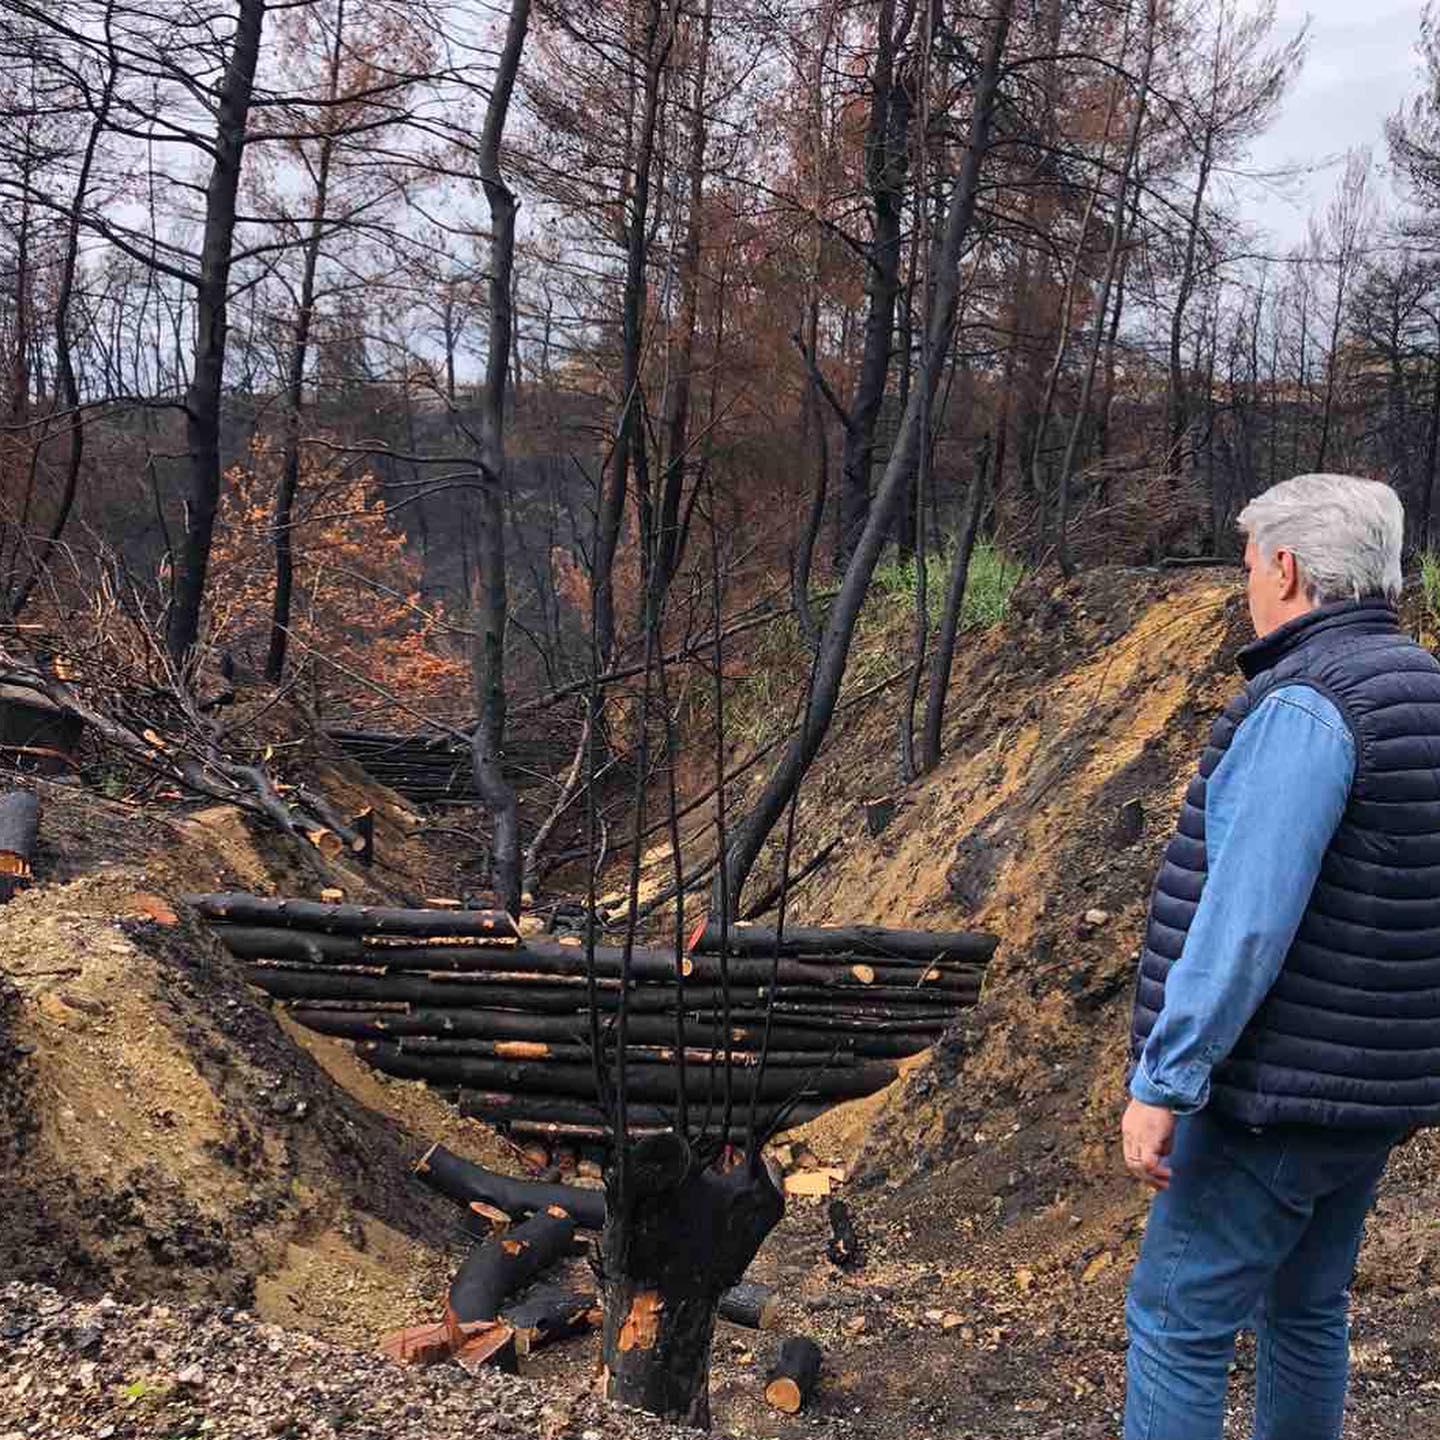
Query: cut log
[
  {"x": 868, "y": 941},
  {"x": 500, "y": 1024},
  {"x": 364, "y": 843},
  {"x": 523, "y": 1050},
  {"x": 844, "y": 1247},
  {"x": 870, "y": 1010},
  {"x": 526, "y": 1113},
  {"x": 463, "y": 1181},
  {"x": 547, "y": 1315},
  {"x": 649, "y": 1082},
  {"x": 351, "y": 919},
  {"x": 19, "y": 828},
  {"x": 500, "y": 1266},
  {"x": 603, "y": 1136},
  {"x": 791, "y": 1380},
  {"x": 548, "y": 958},
  {"x": 750, "y": 1304}
]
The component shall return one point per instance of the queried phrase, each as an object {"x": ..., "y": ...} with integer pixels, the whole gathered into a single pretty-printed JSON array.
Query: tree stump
[{"x": 677, "y": 1236}]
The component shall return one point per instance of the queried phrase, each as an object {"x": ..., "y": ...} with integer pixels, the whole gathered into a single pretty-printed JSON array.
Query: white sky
[{"x": 1362, "y": 65}]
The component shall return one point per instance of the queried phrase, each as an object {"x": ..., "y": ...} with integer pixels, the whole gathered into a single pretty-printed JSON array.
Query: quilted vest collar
[{"x": 1372, "y": 616}]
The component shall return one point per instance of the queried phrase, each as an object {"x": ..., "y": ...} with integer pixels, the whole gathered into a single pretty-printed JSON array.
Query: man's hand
[{"x": 1147, "y": 1132}]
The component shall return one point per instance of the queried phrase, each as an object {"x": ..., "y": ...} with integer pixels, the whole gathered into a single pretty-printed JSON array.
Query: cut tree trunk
[
  {"x": 513, "y": 1050},
  {"x": 866, "y": 1009},
  {"x": 750, "y": 1304},
  {"x": 533, "y": 957},
  {"x": 678, "y": 1235},
  {"x": 499, "y": 1025},
  {"x": 464, "y": 1181},
  {"x": 501, "y": 1265},
  {"x": 19, "y": 828},
  {"x": 545, "y": 1316},
  {"x": 870, "y": 941},
  {"x": 353, "y": 919},
  {"x": 791, "y": 1380},
  {"x": 559, "y": 1114},
  {"x": 654, "y": 1083}
]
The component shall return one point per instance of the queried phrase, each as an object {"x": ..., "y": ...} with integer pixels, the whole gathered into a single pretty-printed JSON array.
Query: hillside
[{"x": 167, "y": 1136}]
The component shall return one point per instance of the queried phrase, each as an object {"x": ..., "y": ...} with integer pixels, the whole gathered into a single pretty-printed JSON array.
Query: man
[{"x": 1287, "y": 1013}]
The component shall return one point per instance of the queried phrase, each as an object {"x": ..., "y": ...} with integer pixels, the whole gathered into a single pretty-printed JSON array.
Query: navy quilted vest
[{"x": 1349, "y": 1035}]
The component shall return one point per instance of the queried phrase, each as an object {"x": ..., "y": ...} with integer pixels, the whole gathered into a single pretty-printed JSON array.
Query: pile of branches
[
  {"x": 522, "y": 1033},
  {"x": 173, "y": 740}
]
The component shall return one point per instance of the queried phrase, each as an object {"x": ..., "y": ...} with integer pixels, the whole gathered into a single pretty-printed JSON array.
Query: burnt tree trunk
[
  {"x": 295, "y": 378},
  {"x": 943, "y": 657},
  {"x": 678, "y": 1235},
  {"x": 202, "y": 399},
  {"x": 488, "y": 596},
  {"x": 610, "y": 517},
  {"x": 886, "y": 164},
  {"x": 67, "y": 385},
  {"x": 749, "y": 837}
]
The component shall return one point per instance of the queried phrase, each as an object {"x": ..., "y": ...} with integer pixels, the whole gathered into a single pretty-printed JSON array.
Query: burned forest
[{"x": 605, "y": 609}]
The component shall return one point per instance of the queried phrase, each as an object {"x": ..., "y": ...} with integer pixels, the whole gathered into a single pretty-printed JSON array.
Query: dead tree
[
  {"x": 67, "y": 384},
  {"x": 488, "y": 592},
  {"x": 212, "y": 288},
  {"x": 658, "y": 37},
  {"x": 1102, "y": 303},
  {"x": 297, "y": 362},
  {"x": 748, "y": 839},
  {"x": 887, "y": 142},
  {"x": 680, "y": 1232}
]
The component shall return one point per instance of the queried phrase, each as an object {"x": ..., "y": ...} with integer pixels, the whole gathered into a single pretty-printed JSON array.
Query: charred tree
[
  {"x": 887, "y": 153},
  {"x": 747, "y": 840},
  {"x": 679, "y": 1233},
  {"x": 202, "y": 398},
  {"x": 488, "y": 591},
  {"x": 295, "y": 370}
]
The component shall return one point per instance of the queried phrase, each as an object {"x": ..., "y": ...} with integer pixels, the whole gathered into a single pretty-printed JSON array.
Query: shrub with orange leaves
[{"x": 358, "y": 621}]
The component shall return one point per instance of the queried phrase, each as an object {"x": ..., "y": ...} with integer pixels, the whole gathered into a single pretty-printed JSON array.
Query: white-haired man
[{"x": 1287, "y": 1013}]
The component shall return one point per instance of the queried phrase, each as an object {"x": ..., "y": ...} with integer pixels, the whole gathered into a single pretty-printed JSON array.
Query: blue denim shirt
[{"x": 1271, "y": 808}]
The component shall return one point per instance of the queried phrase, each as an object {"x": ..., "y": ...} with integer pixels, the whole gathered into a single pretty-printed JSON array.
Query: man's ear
[{"x": 1289, "y": 574}]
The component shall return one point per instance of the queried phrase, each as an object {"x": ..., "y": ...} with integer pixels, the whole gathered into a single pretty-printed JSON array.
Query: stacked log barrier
[
  {"x": 457, "y": 999},
  {"x": 436, "y": 769}
]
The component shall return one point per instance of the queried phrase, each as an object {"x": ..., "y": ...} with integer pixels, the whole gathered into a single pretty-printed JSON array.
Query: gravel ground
[{"x": 107, "y": 1371}]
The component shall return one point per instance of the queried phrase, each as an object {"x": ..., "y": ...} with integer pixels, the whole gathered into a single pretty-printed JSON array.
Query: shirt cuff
[{"x": 1145, "y": 1089}]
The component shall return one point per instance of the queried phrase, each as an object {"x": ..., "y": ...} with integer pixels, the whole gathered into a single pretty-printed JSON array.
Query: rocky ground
[{"x": 106, "y": 1371}]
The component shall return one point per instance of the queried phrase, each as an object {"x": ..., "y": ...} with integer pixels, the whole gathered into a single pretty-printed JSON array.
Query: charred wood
[
  {"x": 501, "y": 1265},
  {"x": 652, "y": 1083},
  {"x": 19, "y": 828},
  {"x": 869, "y": 941},
  {"x": 791, "y": 1380},
  {"x": 750, "y": 1304},
  {"x": 643, "y": 1029},
  {"x": 352, "y": 919},
  {"x": 545, "y": 1316}
]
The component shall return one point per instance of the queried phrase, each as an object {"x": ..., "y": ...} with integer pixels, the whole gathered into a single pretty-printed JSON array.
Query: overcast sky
[{"x": 1362, "y": 64}]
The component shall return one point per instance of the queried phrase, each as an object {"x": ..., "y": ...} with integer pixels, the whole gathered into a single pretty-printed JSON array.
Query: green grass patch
[
  {"x": 991, "y": 581},
  {"x": 1430, "y": 584}
]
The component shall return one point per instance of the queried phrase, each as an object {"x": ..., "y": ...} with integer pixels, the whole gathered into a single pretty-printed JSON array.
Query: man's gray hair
[{"x": 1345, "y": 534}]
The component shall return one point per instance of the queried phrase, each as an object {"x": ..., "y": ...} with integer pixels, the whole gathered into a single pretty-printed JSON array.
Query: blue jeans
[{"x": 1258, "y": 1228}]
